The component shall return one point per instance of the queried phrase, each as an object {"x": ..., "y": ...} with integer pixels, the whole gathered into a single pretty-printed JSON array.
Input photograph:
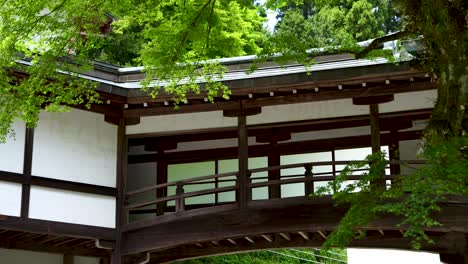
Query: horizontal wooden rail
[
  {"x": 163, "y": 185},
  {"x": 308, "y": 178}
]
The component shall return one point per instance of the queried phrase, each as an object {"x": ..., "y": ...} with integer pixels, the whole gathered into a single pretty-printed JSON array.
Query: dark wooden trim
[
  {"x": 55, "y": 228},
  {"x": 57, "y": 184},
  {"x": 311, "y": 96},
  {"x": 73, "y": 186},
  {"x": 27, "y": 168}
]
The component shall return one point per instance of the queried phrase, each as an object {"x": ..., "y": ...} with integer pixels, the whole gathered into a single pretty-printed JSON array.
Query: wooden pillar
[
  {"x": 27, "y": 169},
  {"x": 121, "y": 213},
  {"x": 375, "y": 137},
  {"x": 373, "y": 102},
  {"x": 243, "y": 149},
  {"x": 394, "y": 152},
  {"x": 241, "y": 113},
  {"x": 274, "y": 191},
  {"x": 161, "y": 178},
  {"x": 375, "y": 127}
]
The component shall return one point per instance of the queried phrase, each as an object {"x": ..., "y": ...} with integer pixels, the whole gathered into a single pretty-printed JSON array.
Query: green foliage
[
  {"x": 293, "y": 256},
  {"x": 415, "y": 197}
]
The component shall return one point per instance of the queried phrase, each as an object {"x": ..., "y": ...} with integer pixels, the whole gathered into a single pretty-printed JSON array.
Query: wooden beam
[
  {"x": 55, "y": 228},
  {"x": 73, "y": 186},
  {"x": 232, "y": 241},
  {"x": 286, "y": 99}
]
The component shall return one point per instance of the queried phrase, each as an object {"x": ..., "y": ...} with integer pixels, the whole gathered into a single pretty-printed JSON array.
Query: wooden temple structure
[{"x": 133, "y": 180}]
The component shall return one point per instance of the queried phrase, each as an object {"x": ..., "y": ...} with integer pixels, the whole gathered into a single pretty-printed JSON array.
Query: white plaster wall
[
  {"x": 281, "y": 113},
  {"x": 141, "y": 175},
  {"x": 12, "y": 151},
  {"x": 181, "y": 122},
  {"x": 410, "y": 101},
  {"x": 10, "y": 256},
  {"x": 75, "y": 146},
  {"x": 305, "y": 111},
  {"x": 10, "y": 199},
  {"x": 331, "y": 133},
  {"x": 410, "y": 150},
  {"x": 72, "y": 207}
]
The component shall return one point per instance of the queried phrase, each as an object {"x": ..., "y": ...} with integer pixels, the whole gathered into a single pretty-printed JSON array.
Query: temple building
[{"x": 133, "y": 180}]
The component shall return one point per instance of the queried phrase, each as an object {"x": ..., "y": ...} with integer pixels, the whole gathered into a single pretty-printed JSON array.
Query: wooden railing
[{"x": 308, "y": 178}]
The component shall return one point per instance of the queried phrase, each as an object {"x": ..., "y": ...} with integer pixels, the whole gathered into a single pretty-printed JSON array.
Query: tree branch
[{"x": 379, "y": 41}]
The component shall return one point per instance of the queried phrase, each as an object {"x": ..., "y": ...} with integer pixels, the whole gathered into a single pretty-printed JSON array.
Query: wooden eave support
[
  {"x": 268, "y": 238},
  {"x": 286, "y": 236},
  {"x": 250, "y": 240},
  {"x": 322, "y": 234},
  {"x": 232, "y": 241},
  {"x": 304, "y": 235}
]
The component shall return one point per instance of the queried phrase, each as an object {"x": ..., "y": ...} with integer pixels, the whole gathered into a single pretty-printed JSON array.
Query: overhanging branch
[{"x": 379, "y": 41}]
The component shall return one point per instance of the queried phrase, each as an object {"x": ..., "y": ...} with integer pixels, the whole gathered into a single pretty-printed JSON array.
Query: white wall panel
[
  {"x": 12, "y": 151},
  {"x": 76, "y": 146},
  {"x": 410, "y": 101},
  {"x": 181, "y": 122},
  {"x": 72, "y": 207},
  {"x": 10, "y": 199},
  {"x": 305, "y": 111}
]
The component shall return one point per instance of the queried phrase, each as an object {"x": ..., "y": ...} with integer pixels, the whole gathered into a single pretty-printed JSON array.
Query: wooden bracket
[
  {"x": 368, "y": 100},
  {"x": 242, "y": 112}
]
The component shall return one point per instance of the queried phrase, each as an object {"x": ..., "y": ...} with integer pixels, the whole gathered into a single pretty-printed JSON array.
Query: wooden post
[
  {"x": 274, "y": 191},
  {"x": 309, "y": 181},
  {"x": 161, "y": 178},
  {"x": 394, "y": 152},
  {"x": 180, "y": 202},
  {"x": 27, "y": 168},
  {"x": 243, "y": 148},
  {"x": 121, "y": 213},
  {"x": 375, "y": 136}
]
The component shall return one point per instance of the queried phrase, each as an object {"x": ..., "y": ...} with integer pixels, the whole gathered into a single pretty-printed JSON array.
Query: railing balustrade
[{"x": 309, "y": 178}]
